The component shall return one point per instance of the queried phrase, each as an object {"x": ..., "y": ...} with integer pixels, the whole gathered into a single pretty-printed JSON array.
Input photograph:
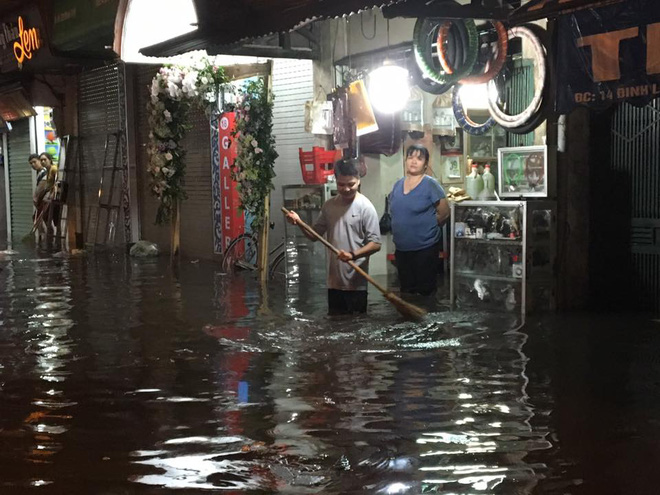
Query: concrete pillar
[{"x": 573, "y": 200}]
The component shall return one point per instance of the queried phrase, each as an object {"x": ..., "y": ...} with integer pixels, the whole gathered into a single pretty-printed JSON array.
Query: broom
[
  {"x": 406, "y": 309},
  {"x": 27, "y": 237}
]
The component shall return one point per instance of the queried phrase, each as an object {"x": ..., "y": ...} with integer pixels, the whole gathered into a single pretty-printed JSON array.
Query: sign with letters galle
[
  {"x": 233, "y": 220},
  {"x": 608, "y": 55}
]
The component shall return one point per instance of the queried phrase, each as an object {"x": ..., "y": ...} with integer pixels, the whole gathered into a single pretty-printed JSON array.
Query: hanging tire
[
  {"x": 426, "y": 85},
  {"x": 538, "y": 51},
  {"x": 496, "y": 65},
  {"x": 536, "y": 120},
  {"x": 422, "y": 47},
  {"x": 464, "y": 120}
]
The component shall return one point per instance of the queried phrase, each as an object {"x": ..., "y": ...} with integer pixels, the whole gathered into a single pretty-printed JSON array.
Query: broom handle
[
  {"x": 336, "y": 251},
  {"x": 39, "y": 217}
]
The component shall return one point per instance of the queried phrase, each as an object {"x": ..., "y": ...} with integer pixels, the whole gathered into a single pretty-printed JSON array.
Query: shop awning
[{"x": 227, "y": 23}]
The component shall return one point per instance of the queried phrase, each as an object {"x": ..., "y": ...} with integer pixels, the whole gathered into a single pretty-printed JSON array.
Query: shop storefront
[
  {"x": 21, "y": 48},
  {"x": 87, "y": 103},
  {"x": 517, "y": 132}
]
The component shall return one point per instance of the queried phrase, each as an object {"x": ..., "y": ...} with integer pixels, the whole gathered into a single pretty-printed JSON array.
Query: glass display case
[
  {"x": 306, "y": 200},
  {"x": 488, "y": 253}
]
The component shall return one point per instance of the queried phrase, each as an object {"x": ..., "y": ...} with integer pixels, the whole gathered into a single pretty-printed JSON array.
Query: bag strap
[{"x": 320, "y": 91}]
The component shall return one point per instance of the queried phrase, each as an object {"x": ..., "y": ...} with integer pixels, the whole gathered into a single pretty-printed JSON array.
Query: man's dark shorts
[{"x": 341, "y": 302}]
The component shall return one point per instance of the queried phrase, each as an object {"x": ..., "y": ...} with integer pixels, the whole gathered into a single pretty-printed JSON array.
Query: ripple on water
[{"x": 183, "y": 381}]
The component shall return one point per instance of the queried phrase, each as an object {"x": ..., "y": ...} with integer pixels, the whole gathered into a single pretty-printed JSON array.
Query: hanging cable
[
  {"x": 388, "y": 37},
  {"x": 362, "y": 26}
]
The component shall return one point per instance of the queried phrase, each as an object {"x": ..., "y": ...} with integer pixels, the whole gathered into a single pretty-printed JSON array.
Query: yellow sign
[{"x": 28, "y": 42}]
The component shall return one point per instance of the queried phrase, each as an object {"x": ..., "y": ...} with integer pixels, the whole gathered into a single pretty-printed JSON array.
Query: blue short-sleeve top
[{"x": 414, "y": 224}]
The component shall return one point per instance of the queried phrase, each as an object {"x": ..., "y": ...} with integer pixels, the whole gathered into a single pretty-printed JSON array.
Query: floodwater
[{"x": 123, "y": 376}]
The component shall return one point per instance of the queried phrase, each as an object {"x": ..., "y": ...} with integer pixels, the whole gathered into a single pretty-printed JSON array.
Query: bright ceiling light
[
  {"x": 146, "y": 25},
  {"x": 474, "y": 96},
  {"x": 388, "y": 88}
]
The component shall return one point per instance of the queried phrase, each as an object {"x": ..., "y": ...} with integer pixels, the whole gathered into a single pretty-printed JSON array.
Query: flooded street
[{"x": 122, "y": 376}]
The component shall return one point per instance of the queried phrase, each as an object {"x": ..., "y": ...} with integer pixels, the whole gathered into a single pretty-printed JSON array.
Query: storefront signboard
[
  {"x": 28, "y": 41},
  {"x": 22, "y": 41},
  {"x": 232, "y": 218},
  {"x": 610, "y": 54}
]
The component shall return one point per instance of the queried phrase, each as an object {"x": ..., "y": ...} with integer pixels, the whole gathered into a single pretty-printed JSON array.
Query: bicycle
[{"x": 242, "y": 253}]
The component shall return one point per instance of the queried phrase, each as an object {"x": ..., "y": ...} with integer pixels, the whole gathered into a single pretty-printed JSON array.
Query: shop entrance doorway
[{"x": 625, "y": 192}]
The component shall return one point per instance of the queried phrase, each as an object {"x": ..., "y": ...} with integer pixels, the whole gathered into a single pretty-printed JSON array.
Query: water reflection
[
  {"x": 160, "y": 379},
  {"x": 35, "y": 302}
]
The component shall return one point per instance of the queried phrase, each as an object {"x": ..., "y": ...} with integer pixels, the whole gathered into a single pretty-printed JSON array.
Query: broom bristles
[{"x": 405, "y": 308}]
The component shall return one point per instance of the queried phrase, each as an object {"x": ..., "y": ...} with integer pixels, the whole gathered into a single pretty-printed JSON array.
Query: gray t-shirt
[{"x": 348, "y": 227}]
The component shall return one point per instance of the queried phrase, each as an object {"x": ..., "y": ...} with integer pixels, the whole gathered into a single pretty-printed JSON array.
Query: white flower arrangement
[{"x": 173, "y": 90}]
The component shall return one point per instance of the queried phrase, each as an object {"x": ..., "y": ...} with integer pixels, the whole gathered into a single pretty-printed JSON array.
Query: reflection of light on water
[
  {"x": 507, "y": 431},
  {"x": 203, "y": 440},
  {"x": 47, "y": 312},
  {"x": 193, "y": 471},
  {"x": 397, "y": 488},
  {"x": 40, "y": 482}
]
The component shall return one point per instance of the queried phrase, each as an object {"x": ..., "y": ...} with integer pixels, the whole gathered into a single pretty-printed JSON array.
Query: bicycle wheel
[
  {"x": 277, "y": 268},
  {"x": 241, "y": 253}
]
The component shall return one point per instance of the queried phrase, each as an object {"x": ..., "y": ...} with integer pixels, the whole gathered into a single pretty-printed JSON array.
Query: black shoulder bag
[{"x": 385, "y": 222}]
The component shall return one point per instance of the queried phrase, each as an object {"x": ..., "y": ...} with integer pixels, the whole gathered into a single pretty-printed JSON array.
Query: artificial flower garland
[
  {"x": 174, "y": 89},
  {"x": 253, "y": 168}
]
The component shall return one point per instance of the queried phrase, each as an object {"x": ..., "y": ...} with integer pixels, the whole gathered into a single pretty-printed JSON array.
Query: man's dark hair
[
  {"x": 347, "y": 168},
  {"x": 418, "y": 148},
  {"x": 33, "y": 155}
]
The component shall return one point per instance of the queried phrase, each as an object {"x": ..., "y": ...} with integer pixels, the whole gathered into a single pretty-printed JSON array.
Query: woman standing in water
[
  {"x": 418, "y": 207},
  {"x": 52, "y": 217}
]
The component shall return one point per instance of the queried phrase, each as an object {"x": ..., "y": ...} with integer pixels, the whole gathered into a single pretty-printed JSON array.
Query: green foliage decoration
[{"x": 253, "y": 168}]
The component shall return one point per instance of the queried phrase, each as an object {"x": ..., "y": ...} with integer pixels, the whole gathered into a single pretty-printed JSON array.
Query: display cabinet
[
  {"x": 488, "y": 253},
  {"x": 306, "y": 200},
  {"x": 503, "y": 255},
  {"x": 483, "y": 148}
]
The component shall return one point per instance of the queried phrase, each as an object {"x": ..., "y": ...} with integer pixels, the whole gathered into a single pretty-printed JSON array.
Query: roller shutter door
[
  {"x": 20, "y": 179},
  {"x": 101, "y": 97}
]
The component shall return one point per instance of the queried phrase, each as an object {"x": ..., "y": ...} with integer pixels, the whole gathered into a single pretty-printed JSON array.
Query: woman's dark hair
[
  {"x": 346, "y": 168},
  {"x": 418, "y": 148},
  {"x": 33, "y": 155},
  {"x": 47, "y": 155}
]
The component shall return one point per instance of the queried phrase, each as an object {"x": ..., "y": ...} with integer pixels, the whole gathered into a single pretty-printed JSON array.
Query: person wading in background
[
  {"x": 350, "y": 222},
  {"x": 52, "y": 217},
  {"x": 45, "y": 184},
  {"x": 418, "y": 207}
]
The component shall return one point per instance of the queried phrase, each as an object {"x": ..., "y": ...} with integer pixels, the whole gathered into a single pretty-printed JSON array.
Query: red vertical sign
[{"x": 233, "y": 223}]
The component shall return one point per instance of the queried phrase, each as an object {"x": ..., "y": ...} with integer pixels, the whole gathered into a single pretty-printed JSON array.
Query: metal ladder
[{"x": 109, "y": 202}]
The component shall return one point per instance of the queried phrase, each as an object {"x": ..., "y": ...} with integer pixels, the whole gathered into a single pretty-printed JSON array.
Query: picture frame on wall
[
  {"x": 444, "y": 122},
  {"x": 452, "y": 145},
  {"x": 452, "y": 169},
  {"x": 523, "y": 171},
  {"x": 481, "y": 147}
]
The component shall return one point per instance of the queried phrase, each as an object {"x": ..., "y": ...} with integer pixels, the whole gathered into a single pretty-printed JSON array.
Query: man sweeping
[{"x": 349, "y": 221}]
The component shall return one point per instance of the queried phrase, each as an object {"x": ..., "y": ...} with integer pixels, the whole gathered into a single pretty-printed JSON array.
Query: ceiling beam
[
  {"x": 263, "y": 51},
  {"x": 448, "y": 9}
]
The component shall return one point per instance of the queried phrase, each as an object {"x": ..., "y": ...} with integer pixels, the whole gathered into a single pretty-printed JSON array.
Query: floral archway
[{"x": 174, "y": 90}]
